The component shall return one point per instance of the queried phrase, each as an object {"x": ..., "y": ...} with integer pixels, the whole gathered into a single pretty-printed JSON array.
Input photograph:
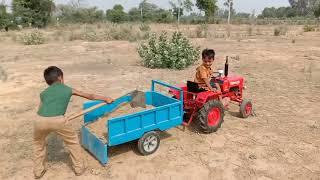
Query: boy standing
[{"x": 54, "y": 103}]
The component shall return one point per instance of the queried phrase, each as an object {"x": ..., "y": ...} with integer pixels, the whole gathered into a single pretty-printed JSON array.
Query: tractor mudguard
[{"x": 206, "y": 96}]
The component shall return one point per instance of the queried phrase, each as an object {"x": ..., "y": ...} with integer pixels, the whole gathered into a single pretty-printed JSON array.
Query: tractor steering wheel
[{"x": 219, "y": 73}]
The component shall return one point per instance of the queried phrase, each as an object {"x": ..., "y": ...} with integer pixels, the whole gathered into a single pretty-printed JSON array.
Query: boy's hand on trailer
[{"x": 108, "y": 100}]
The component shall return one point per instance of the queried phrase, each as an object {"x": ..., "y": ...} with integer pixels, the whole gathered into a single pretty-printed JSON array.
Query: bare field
[{"x": 282, "y": 79}]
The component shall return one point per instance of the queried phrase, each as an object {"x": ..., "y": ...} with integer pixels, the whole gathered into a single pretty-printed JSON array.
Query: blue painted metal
[
  {"x": 95, "y": 145},
  {"x": 108, "y": 108},
  {"x": 167, "y": 113}
]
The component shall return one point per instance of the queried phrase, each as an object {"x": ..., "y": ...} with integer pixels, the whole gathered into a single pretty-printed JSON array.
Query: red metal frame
[{"x": 231, "y": 86}]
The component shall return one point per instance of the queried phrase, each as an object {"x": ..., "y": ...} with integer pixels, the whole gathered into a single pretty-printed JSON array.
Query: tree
[
  {"x": 243, "y": 15},
  {"x": 269, "y": 12},
  {"x": 147, "y": 11},
  {"x": 208, "y": 6},
  {"x": 35, "y": 12},
  {"x": 304, "y": 7},
  {"x": 77, "y": 14},
  {"x": 4, "y": 17},
  {"x": 134, "y": 14},
  {"x": 178, "y": 6},
  {"x": 231, "y": 11},
  {"x": 116, "y": 14},
  {"x": 281, "y": 12},
  {"x": 163, "y": 16},
  {"x": 317, "y": 11}
]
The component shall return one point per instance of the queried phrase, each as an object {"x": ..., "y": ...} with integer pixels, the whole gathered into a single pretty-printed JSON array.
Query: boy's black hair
[
  {"x": 208, "y": 53},
  {"x": 51, "y": 74}
]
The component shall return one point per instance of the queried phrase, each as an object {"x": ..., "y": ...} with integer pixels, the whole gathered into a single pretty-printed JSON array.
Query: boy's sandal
[{"x": 41, "y": 175}]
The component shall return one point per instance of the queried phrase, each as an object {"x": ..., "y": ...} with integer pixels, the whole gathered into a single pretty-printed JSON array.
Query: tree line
[
  {"x": 39, "y": 13},
  {"x": 297, "y": 8}
]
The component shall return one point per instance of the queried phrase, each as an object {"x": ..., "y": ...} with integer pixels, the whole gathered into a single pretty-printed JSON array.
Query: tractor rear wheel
[
  {"x": 245, "y": 108},
  {"x": 210, "y": 116}
]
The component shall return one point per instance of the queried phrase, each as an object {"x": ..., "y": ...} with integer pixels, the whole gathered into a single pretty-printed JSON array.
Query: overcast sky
[{"x": 240, "y": 5}]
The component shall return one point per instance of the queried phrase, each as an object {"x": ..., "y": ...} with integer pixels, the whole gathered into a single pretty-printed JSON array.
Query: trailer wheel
[
  {"x": 245, "y": 108},
  {"x": 149, "y": 143},
  {"x": 210, "y": 116}
]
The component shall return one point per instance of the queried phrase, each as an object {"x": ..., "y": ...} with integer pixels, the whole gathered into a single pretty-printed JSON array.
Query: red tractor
[{"x": 205, "y": 107}]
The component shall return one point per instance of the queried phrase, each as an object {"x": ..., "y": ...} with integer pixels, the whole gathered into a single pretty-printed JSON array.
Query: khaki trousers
[{"x": 45, "y": 125}]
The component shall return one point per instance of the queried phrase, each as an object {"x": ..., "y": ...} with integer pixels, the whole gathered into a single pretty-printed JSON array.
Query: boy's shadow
[
  {"x": 56, "y": 151},
  {"x": 234, "y": 113}
]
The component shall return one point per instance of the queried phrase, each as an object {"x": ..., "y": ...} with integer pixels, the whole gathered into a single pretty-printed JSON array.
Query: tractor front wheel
[
  {"x": 210, "y": 116},
  {"x": 245, "y": 108}
]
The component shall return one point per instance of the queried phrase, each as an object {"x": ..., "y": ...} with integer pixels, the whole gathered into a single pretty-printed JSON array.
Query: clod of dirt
[
  {"x": 252, "y": 156},
  {"x": 3, "y": 74}
]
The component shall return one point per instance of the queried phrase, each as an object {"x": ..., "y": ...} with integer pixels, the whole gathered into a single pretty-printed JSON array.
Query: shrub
[
  {"x": 32, "y": 38},
  {"x": 279, "y": 31},
  {"x": 3, "y": 74},
  {"x": 249, "y": 31},
  {"x": 202, "y": 31},
  {"x": 89, "y": 34},
  {"x": 144, "y": 27},
  {"x": 309, "y": 28},
  {"x": 162, "y": 52}
]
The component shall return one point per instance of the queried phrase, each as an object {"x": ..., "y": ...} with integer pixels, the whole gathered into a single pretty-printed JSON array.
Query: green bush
[
  {"x": 162, "y": 52},
  {"x": 32, "y": 38}
]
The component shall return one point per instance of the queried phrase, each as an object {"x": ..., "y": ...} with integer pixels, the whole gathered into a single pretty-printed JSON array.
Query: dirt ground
[{"x": 281, "y": 142}]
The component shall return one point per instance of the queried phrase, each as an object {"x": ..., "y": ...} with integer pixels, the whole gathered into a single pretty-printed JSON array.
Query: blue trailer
[{"x": 143, "y": 126}]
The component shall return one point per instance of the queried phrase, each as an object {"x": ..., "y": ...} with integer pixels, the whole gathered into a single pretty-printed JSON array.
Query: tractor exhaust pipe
[{"x": 226, "y": 67}]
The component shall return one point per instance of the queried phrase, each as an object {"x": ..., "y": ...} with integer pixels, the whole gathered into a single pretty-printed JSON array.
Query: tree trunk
[{"x": 229, "y": 15}]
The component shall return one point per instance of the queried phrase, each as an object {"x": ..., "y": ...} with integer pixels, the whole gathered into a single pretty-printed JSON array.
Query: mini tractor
[{"x": 204, "y": 106}]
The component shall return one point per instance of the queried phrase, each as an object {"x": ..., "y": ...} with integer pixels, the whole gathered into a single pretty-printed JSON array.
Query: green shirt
[{"x": 55, "y": 100}]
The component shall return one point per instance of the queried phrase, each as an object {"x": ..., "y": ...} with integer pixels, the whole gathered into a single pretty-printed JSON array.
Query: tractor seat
[{"x": 194, "y": 87}]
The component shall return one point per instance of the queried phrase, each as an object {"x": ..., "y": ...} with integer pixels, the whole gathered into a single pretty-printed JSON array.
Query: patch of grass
[
  {"x": 309, "y": 28},
  {"x": 74, "y": 35},
  {"x": 124, "y": 32},
  {"x": 111, "y": 32},
  {"x": 32, "y": 38},
  {"x": 249, "y": 30},
  {"x": 202, "y": 31},
  {"x": 144, "y": 27},
  {"x": 90, "y": 34},
  {"x": 3, "y": 74},
  {"x": 280, "y": 31}
]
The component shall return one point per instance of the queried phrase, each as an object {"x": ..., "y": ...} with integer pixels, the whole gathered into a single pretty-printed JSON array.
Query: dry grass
[
  {"x": 280, "y": 31},
  {"x": 102, "y": 32},
  {"x": 135, "y": 32}
]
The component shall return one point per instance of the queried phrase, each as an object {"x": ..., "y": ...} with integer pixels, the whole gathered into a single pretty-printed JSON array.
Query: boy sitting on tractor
[{"x": 204, "y": 74}]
